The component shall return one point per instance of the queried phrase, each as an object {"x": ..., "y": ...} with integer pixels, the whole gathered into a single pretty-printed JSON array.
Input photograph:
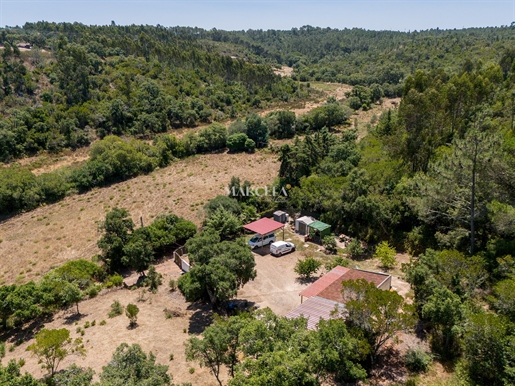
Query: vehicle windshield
[{"x": 255, "y": 238}]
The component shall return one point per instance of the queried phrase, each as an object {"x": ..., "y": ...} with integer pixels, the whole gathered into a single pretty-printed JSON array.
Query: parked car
[
  {"x": 256, "y": 241},
  {"x": 279, "y": 248}
]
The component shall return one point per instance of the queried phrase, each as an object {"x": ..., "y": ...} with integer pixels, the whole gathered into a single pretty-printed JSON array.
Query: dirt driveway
[{"x": 276, "y": 285}]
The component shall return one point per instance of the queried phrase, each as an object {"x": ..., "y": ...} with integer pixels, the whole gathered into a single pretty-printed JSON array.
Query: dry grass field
[{"x": 34, "y": 242}]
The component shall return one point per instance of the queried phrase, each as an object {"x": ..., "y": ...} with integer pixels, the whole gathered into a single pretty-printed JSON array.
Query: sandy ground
[
  {"x": 153, "y": 333},
  {"x": 275, "y": 286},
  {"x": 34, "y": 242}
]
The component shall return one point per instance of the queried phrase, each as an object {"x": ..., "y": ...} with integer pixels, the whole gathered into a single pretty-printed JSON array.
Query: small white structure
[{"x": 301, "y": 225}]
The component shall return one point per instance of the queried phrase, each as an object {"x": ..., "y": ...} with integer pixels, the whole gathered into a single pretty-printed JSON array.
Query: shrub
[
  {"x": 86, "y": 325},
  {"x": 307, "y": 267},
  {"x": 250, "y": 145},
  {"x": 417, "y": 360},
  {"x": 173, "y": 285},
  {"x": 386, "y": 255},
  {"x": 93, "y": 290},
  {"x": 354, "y": 249},
  {"x": 236, "y": 142},
  {"x": 2, "y": 350},
  {"x": 191, "y": 370},
  {"x": 171, "y": 357},
  {"x": 102, "y": 323},
  {"x": 131, "y": 311},
  {"x": 329, "y": 244},
  {"x": 116, "y": 309},
  {"x": 115, "y": 280},
  {"x": 337, "y": 261},
  {"x": 153, "y": 279}
]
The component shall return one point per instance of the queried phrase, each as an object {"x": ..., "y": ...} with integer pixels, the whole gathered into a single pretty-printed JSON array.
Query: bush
[
  {"x": 236, "y": 142},
  {"x": 250, "y": 145},
  {"x": 93, "y": 290},
  {"x": 154, "y": 279},
  {"x": 114, "y": 281},
  {"x": 330, "y": 244},
  {"x": 213, "y": 137},
  {"x": 116, "y": 309},
  {"x": 386, "y": 255},
  {"x": 131, "y": 311},
  {"x": 307, "y": 267},
  {"x": 2, "y": 350},
  {"x": 173, "y": 285},
  {"x": 417, "y": 360},
  {"x": 337, "y": 261},
  {"x": 354, "y": 249}
]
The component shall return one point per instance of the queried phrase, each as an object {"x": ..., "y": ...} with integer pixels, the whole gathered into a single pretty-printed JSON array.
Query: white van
[
  {"x": 279, "y": 248},
  {"x": 256, "y": 241}
]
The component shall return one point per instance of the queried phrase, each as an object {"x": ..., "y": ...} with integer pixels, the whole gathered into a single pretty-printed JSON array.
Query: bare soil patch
[
  {"x": 154, "y": 332},
  {"x": 34, "y": 242}
]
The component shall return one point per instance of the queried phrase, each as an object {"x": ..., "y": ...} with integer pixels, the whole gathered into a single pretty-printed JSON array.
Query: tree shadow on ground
[
  {"x": 73, "y": 317},
  {"x": 27, "y": 331},
  {"x": 201, "y": 318},
  {"x": 307, "y": 280},
  {"x": 389, "y": 367}
]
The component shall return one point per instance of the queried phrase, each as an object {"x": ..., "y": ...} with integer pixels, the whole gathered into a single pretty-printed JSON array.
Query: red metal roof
[
  {"x": 325, "y": 281},
  {"x": 314, "y": 309},
  {"x": 263, "y": 226},
  {"x": 329, "y": 286}
]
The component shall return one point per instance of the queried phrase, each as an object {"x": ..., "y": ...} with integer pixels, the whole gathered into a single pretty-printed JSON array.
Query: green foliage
[
  {"x": 224, "y": 222},
  {"x": 74, "y": 376},
  {"x": 2, "y": 350},
  {"x": 328, "y": 115},
  {"x": 281, "y": 124},
  {"x": 488, "y": 349},
  {"x": 329, "y": 244},
  {"x": 116, "y": 234},
  {"x": 52, "y": 346},
  {"x": 130, "y": 365},
  {"x": 218, "y": 268},
  {"x": 11, "y": 375},
  {"x": 81, "y": 272},
  {"x": 173, "y": 285},
  {"x": 227, "y": 203},
  {"x": 335, "y": 261},
  {"x": 116, "y": 309},
  {"x": 115, "y": 280},
  {"x": 354, "y": 249},
  {"x": 307, "y": 267},
  {"x": 236, "y": 142},
  {"x": 131, "y": 311},
  {"x": 386, "y": 255},
  {"x": 154, "y": 278},
  {"x": 417, "y": 360},
  {"x": 257, "y": 130},
  {"x": 379, "y": 314},
  {"x": 250, "y": 145}
]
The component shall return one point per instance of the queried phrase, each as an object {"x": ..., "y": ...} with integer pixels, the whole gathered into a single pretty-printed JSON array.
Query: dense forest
[{"x": 433, "y": 177}]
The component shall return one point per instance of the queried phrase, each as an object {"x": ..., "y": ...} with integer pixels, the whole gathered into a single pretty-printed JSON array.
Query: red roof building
[
  {"x": 263, "y": 226},
  {"x": 324, "y": 296}
]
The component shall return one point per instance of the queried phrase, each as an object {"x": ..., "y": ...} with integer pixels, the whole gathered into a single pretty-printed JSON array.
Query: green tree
[
  {"x": 485, "y": 348},
  {"x": 446, "y": 313},
  {"x": 307, "y": 267},
  {"x": 116, "y": 231},
  {"x": 257, "y": 130},
  {"x": 218, "y": 269},
  {"x": 131, "y": 366},
  {"x": 11, "y": 375},
  {"x": 138, "y": 253},
  {"x": 379, "y": 314},
  {"x": 236, "y": 142},
  {"x": 224, "y": 222},
  {"x": 52, "y": 346},
  {"x": 74, "y": 376},
  {"x": 386, "y": 255},
  {"x": 132, "y": 311},
  {"x": 154, "y": 278}
]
